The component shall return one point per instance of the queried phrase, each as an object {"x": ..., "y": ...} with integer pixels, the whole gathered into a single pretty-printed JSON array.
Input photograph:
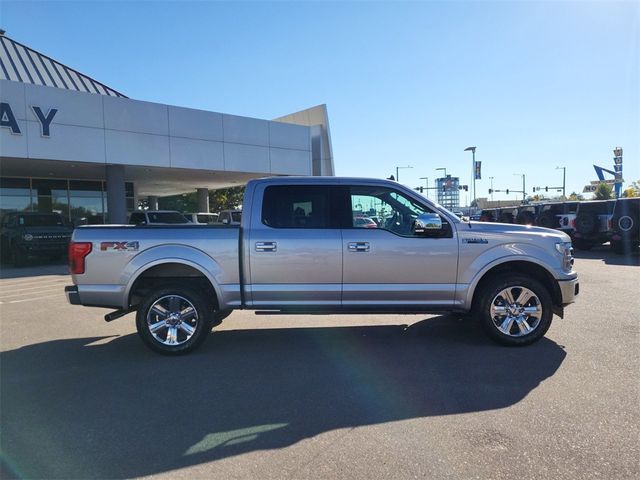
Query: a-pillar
[
  {"x": 152, "y": 202},
  {"x": 116, "y": 196},
  {"x": 203, "y": 200}
]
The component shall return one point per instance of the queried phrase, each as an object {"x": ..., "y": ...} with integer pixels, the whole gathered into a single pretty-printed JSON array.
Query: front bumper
[{"x": 569, "y": 290}]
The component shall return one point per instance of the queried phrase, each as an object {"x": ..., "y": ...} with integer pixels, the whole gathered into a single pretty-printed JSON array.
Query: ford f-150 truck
[{"x": 299, "y": 249}]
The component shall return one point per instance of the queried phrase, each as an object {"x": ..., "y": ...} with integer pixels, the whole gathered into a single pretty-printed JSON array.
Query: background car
[
  {"x": 202, "y": 218},
  {"x": 158, "y": 217},
  {"x": 624, "y": 225},
  {"x": 25, "y": 234},
  {"x": 592, "y": 223},
  {"x": 364, "y": 222},
  {"x": 230, "y": 217}
]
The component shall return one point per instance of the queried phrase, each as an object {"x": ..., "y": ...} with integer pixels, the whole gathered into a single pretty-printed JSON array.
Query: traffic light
[
  {"x": 421, "y": 189},
  {"x": 490, "y": 191},
  {"x": 466, "y": 188},
  {"x": 536, "y": 188},
  {"x": 546, "y": 189},
  {"x": 507, "y": 191}
]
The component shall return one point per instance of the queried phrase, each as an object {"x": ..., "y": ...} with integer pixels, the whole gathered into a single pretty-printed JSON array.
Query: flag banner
[{"x": 478, "y": 167}]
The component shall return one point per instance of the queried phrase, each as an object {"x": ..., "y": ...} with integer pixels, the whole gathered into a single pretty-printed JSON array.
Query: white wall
[{"x": 101, "y": 129}]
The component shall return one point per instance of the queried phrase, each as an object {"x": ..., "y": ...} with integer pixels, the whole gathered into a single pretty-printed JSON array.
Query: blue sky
[{"x": 533, "y": 85}]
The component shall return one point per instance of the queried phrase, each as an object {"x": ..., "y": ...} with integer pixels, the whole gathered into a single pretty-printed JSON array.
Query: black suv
[
  {"x": 592, "y": 223},
  {"x": 39, "y": 234},
  {"x": 625, "y": 225}
]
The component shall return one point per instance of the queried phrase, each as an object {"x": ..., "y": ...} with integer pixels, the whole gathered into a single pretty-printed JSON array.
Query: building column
[
  {"x": 116, "y": 196},
  {"x": 203, "y": 200},
  {"x": 152, "y": 202}
]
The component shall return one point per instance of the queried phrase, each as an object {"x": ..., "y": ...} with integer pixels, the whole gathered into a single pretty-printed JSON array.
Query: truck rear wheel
[
  {"x": 515, "y": 311},
  {"x": 173, "y": 320}
]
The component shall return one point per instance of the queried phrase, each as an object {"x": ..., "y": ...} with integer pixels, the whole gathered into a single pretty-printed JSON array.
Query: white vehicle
[
  {"x": 157, "y": 217},
  {"x": 230, "y": 217},
  {"x": 202, "y": 218}
]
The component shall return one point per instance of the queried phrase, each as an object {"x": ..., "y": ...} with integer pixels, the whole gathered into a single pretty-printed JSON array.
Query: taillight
[
  {"x": 573, "y": 223},
  {"x": 77, "y": 253}
]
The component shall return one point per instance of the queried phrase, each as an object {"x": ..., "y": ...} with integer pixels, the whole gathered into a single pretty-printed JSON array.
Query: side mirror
[{"x": 426, "y": 223}]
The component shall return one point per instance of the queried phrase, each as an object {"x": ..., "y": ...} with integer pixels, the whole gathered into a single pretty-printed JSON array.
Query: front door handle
[
  {"x": 359, "y": 246},
  {"x": 266, "y": 247}
]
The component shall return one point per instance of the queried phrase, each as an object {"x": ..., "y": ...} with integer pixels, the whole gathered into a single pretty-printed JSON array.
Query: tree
[
  {"x": 633, "y": 190},
  {"x": 576, "y": 197},
  {"x": 226, "y": 199},
  {"x": 604, "y": 191}
]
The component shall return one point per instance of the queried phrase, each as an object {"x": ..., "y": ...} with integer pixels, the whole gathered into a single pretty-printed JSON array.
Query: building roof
[{"x": 20, "y": 63}]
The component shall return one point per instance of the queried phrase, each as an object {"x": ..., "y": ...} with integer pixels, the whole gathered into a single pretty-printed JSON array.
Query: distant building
[{"x": 448, "y": 192}]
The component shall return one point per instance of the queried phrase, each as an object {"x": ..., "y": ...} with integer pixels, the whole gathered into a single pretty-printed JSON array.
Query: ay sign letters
[{"x": 8, "y": 119}]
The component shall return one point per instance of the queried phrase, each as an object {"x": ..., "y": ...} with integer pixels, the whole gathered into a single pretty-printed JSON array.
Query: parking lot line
[
  {"x": 31, "y": 299},
  {"x": 4, "y": 290}
]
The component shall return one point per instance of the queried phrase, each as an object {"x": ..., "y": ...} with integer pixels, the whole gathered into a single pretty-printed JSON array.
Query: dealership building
[{"x": 73, "y": 145}]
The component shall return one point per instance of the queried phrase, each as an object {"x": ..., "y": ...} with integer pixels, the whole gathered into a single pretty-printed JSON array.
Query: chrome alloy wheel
[
  {"x": 172, "y": 320},
  {"x": 516, "y": 311}
]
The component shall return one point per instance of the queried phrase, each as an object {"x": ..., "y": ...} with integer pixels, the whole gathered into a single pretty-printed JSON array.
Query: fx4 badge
[
  {"x": 120, "y": 246},
  {"x": 475, "y": 240}
]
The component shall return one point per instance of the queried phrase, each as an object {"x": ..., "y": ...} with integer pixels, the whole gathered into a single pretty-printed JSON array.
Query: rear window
[
  {"x": 296, "y": 207},
  {"x": 44, "y": 220},
  {"x": 236, "y": 216}
]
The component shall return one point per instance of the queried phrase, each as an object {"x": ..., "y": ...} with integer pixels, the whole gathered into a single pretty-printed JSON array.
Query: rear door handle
[
  {"x": 359, "y": 246},
  {"x": 266, "y": 247}
]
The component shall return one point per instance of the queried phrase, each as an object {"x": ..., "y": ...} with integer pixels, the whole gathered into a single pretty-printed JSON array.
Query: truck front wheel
[
  {"x": 516, "y": 310},
  {"x": 173, "y": 320}
]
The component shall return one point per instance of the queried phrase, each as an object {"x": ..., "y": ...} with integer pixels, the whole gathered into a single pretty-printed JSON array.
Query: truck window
[
  {"x": 297, "y": 206},
  {"x": 394, "y": 211}
]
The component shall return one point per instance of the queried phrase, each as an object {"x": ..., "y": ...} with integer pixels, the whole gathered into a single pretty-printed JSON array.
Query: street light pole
[
  {"x": 523, "y": 186},
  {"x": 473, "y": 169},
  {"x": 398, "y": 172},
  {"x": 564, "y": 178}
]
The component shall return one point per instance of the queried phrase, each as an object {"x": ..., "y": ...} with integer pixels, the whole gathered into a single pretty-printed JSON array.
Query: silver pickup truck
[{"x": 324, "y": 245}]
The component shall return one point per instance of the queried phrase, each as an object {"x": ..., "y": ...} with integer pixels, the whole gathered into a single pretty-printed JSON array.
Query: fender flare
[
  {"x": 471, "y": 289},
  {"x": 165, "y": 254}
]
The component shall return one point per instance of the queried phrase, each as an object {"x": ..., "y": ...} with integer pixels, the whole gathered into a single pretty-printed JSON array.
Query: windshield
[
  {"x": 44, "y": 220},
  {"x": 167, "y": 217}
]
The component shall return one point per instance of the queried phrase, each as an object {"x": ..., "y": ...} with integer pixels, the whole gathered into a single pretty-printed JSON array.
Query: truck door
[
  {"x": 295, "y": 248},
  {"x": 386, "y": 264}
]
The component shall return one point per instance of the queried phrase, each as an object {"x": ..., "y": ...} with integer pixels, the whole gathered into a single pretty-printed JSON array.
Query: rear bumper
[
  {"x": 73, "y": 297},
  {"x": 569, "y": 289}
]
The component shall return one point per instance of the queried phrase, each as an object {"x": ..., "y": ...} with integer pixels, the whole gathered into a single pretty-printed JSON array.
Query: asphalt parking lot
[{"x": 354, "y": 397}]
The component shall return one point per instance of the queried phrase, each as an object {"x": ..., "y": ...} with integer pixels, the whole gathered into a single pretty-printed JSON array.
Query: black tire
[
  {"x": 586, "y": 223},
  {"x": 185, "y": 298},
  {"x": 489, "y": 294},
  {"x": 18, "y": 256},
  {"x": 219, "y": 316}
]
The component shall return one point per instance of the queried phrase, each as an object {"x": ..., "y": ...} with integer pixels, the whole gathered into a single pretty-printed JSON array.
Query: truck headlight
[{"x": 565, "y": 249}]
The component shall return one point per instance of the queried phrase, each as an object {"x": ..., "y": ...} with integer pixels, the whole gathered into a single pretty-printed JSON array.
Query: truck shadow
[{"x": 109, "y": 408}]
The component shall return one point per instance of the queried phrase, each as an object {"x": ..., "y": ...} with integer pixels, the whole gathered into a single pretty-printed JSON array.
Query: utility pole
[
  {"x": 491, "y": 178},
  {"x": 398, "y": 172},
  {"x": 564, "y": 178},
  {"x": 473, "y": 169}
]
